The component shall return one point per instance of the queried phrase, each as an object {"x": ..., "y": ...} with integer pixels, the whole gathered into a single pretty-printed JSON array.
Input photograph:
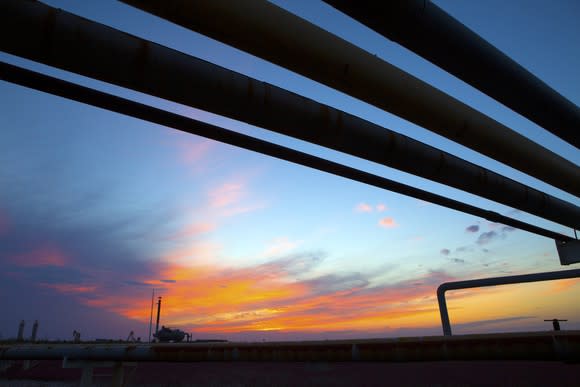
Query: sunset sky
[{"x": 98, "y": 209}]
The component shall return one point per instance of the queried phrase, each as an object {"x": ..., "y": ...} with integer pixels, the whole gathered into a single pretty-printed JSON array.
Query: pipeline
[
  {"x": 537, "y": 346},
  {"x": 272, "y": 33},
  {"x": 427, "y": 30},
  {"x": 63, "y": 40},
  {"x": 494, "y": 281},
  {"x": 120, "y": 105}
]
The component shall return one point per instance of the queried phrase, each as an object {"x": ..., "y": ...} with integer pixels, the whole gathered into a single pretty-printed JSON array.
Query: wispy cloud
[
  {"x": 280, "y": 246},
  {"x": 445, "y": 252},
  {"x": 363, "y": 207}
]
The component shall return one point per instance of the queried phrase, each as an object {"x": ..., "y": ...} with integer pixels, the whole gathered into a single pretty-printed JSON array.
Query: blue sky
[{"x": 96, "y": 209}]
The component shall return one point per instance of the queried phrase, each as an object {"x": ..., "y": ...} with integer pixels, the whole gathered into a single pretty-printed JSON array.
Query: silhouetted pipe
[
  {"x": 158, "y": 315},
  {"x": 482, "y": 282},
  {"x": 270, "y": 32},
  {"x": 57, "y": 38},
  {"x": 546, "y": 346},
  {"x": 137, "y": 110},
  {"x": 34, "y": 331},
  {"x": 427, "y": 30},
  {"x": 20, "y": 336}
]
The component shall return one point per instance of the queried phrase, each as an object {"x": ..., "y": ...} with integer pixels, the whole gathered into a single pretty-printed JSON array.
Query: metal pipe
[
  {"x": 38, "y": 32},
  {"x": 34, "y": 331},
  {"x": 20, "y": 336},
  {"x": 546, "y": 346},
  {"x": 120, "y": 105},
  {"x": 158, "y": 315},
  {"x": 430, "y": 32},
  {"x": 494, "y": 281},
  {"x": 270, "y": 32}
]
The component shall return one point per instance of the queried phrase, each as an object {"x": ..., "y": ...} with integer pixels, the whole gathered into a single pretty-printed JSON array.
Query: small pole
[{"x": 151, "y": 313}]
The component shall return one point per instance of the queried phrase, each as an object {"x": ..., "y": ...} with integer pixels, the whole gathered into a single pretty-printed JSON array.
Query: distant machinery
[
  {"x": 20, "y": 336},
  {"x": 34, "y": 331},
  {"x": 556, "y": 323},
  {"x": 166, "y": 334}
]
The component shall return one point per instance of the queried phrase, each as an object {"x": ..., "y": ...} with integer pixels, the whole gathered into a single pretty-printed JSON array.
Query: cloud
[
  {"x": 387, "y": 222},
  {"x": 280, "y": 246},
  {"x": 363, "y": 207},
  {"x": 487, "y": 237},
  {"x": 381, "y": 207},
  {"x": 472, "y": 228},
  {"x": 458, "y": 260},
  {"x": 490, "y": 236},
  {"x": 445, "y": 252},
  {"x": 226, "y": 195},
  {"x": 168, "y": 281},
  {"x": 46, "y": 255}
]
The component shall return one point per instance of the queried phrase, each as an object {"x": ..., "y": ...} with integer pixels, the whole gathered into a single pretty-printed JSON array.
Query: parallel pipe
[
  {"x": 57, "y": 38},
  {"x": 483, "y": 282},
  {"x": 270, "y": 32},
  {"x": 427, "y": 30},
  {"x": 120, "y": 105},
  {"x": 552, "y": 346}
]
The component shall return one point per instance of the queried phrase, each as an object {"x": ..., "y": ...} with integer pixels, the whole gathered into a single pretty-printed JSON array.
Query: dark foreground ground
[{"x": 474, "y": 373}]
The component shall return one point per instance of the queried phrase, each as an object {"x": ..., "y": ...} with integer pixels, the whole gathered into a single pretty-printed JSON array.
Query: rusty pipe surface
[
  {"x": 141, "y": 111},
  {"x": 270, "y": 32},
  {"x": 546, "y": 346},
  {"x": 54, "y": 37},
  {"x": 427, "y": 30}
]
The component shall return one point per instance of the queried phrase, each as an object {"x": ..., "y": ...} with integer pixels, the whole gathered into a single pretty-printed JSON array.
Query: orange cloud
[{"x": 387, "y": 222}]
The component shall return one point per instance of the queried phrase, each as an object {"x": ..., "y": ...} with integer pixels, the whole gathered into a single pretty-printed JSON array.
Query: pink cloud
[
  {"x": 42, "y": 256},
  {"x": 387, "y": 222},
  {"x": 195, "y": 152},
  {"x": 381, "y": 207},
  {"x": 194, "y": 229},
  {"x": 226, "y": 195},
  {"x": 363, "y": 207}
]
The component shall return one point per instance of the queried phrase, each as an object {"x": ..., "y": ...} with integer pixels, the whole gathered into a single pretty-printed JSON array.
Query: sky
[{"x": 98, "y": 210}]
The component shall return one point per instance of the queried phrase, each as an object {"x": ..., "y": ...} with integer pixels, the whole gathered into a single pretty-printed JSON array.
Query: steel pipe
[
  {"x": 430, "y": 32},
  {"x": 137, "y": 110},
  {"x": 494, "y": 281},
  {"x": 57, "y": 38},
  {"x": 552, "y": 346},
  {"x": 270, "y": 32}
]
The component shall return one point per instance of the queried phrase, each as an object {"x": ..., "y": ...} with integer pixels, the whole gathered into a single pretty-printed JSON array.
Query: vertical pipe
[
  {"x": 34, "y": 331},
  {"x": 445, "y": 323},
  {"x": 151, "y": 312},
  {"x": 158, "y": 314},
  {"x": 20, "y": 336}
]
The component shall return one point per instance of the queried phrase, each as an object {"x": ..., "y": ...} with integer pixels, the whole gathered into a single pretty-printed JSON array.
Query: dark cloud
[
  {"x": 458, "y": 260},
  {"x": 168, "y": 281},
  {"x": 506, "y": 229},
  {"x": 487, "y": 237},
  {"x": 445, "y": 252},
  {"x": 335, "y": 283},
  {"x": 472, "y": 228}
]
